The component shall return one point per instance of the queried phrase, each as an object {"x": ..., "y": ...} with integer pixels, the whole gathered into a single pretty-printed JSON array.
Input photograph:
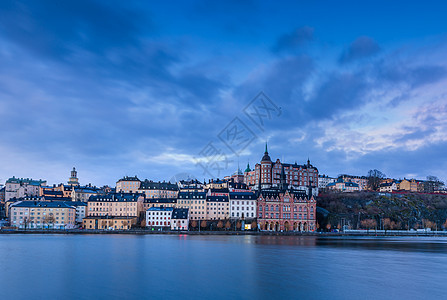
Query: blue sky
[{"x": 128, "y": 88}]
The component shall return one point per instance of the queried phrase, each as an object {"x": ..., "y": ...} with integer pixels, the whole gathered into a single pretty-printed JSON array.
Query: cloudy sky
[{"x": 122, "y": 88}]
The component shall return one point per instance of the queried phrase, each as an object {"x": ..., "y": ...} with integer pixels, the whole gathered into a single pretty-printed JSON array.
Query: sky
[{"x": 172, "y": 89}]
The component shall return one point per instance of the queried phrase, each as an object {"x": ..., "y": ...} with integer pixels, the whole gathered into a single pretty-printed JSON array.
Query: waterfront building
[
  {"x": 267, "y": 174},
  {"x": 154, "y": 189},
  {"x": 42, "y": 214},
  {"x": 195, "y": 202},
  {"x": 286, "y": 210},
  {"x": 242, "y": 205},
  {"x": 217, "y": 207},
  {"x": 159, "y": 217},
  {"x": 117, "y": 204},
  {"x": 128, "y": 184},
  {"x": 180, "y": 219},
  {"x": 158, "y": 202},
  {"x": 81, "y": 210},
  {"x": 109, "y": 222},
  {"x": 21, "y": 187}
]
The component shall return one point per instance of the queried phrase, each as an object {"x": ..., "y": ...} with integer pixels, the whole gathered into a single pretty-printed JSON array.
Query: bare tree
[
  {"x": 219, "y": 225},
  {"x": 374, "y": 178},
  {"x": 369, "y": 224},
  {"x": 253, "y": 225},
  {"x": 238, "y": 225},
  {"x": 203, "y": 224},
  {"x": 194, "y": 224},
  {"x": 228, "y": 225}
]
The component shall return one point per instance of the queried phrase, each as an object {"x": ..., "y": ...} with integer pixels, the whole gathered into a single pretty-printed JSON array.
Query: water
[{"x": 221, "y": 267}]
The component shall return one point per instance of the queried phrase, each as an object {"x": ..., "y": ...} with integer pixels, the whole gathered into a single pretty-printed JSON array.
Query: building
[
  {"x": 73, "y": 180},
  {"x": 388, "y": 187},
  {"x": 268, "y": 174},
  {"x": 42, "y": 214},
  {"x": 159, "y": 217},
  {"x": 343, "y": 186},
  {"x": 286, "y": 210},
  {"x": 83, "y": 193},
  {"x": 192, "y": 185},
  {"x": 180, "y": 219},
  {"x": 117, "y": 205},
  {"x": 81, "y": 210},
  {"x": 154, "y": 189},
  {"x": 361, "y": 181},
  {"x": 217, "y": 207},
  {"x": 195, "y": 202},
  {"x": 21, "y": 187},
  {"x": 242, "y": 205},
  {"x": 109, "y": 222},
  {"x": 158, "y": 202},
  {"x": 128, "y": 184},
  {"x": 61, "y": 190},
  {"x": 324, "y": 180},
  {"x": 408, "y": 185}
]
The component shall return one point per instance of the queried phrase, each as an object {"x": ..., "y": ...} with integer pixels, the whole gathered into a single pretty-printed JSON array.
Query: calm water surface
[{"x": 221, "y": 267}]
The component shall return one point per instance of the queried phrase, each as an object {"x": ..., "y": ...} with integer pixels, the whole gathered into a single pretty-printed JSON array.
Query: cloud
[
  {"x": 294, "y": 40},
  {"x": 362, "y": 47}
]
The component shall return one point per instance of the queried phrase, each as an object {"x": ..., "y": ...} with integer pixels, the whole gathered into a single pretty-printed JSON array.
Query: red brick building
[{"x": 286, "y": 210}]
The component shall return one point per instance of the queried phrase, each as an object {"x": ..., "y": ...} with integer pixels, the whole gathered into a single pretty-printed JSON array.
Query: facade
[
  {"x": 195, "y": 202},
  {"x": 180, "y": 219},
  {"x": 81, "y": 209},
  {"x": 158, "y": 202},
  {"x": 408, "y": 185},
  {"x": 286, "y": 210},
  {"x": 324, "y": 180},
  {"x": 388, "y": 187},
  {"x": 116, "y": 205},
  {"x": 154, "y": 189},
  {"x": 109, "y": 222},
  {"x": 61, "y": 190},
  {"x": 268, "y": 174},
  {"x": 83, "y": 193},
  {"x": 40, "y": 214},
  {"x": 243, "y": 205},
  {"x": 159, "y": 217},
  {"x": 361, "y": 181},
  {"x": 128, "y": 184},
  {"x": 192, "y": 185},
  {"x": 217, "y": 207},
  {"x": 21, "y": 187},
  {"x": 342, "y": 186}
]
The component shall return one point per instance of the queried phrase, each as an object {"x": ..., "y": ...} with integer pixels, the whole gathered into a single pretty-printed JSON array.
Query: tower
[{"x": 73, "y": 180}]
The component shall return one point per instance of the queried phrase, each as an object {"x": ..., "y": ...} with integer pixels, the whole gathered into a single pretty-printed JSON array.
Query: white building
[
  {"x": 180, "y": 219},
  {"x": 324, "y": 180},
  {"x": 388, "y": 187},
  {"x": 242, "y": 205},
  {"x": 159, "y": 217},
  {"x": 81, "y": 210}
]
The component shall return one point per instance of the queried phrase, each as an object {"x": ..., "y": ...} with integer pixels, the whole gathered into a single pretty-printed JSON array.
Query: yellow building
[
  {"x": 116, "y": 205},
  {"x": 42, "y": 214},
  {"x": 159, "y": 202},
  {"x": 152, "y": 189},
  {"x": 109, "y": 223},
  {"x": 128, "y": 184},
  {"x": 408, "y": 185},
  {"x": 217, "y": 207},
  {"x": 195, "y": 201}
]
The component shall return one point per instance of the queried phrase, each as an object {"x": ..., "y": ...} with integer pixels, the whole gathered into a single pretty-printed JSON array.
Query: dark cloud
[
  {"x": 292, "y": 41},
  {"x": 362, "y": 47}
]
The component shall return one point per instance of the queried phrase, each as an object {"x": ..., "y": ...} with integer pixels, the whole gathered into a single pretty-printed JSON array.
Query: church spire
[{"x": 266, "y": 151}]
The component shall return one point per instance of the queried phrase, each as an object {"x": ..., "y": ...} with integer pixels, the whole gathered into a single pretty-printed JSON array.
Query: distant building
[
  {"x": 81, "y": 210},
  {"x": 192, "y": 185},
  {"x": 408, "y": 185},
  {"x": 343, "y": 186},
  {"x": 180, "y": 219},
  {"x": 158, "y": 202},
  {"x": 388, "y": 187},
  {"x": 324, "y": 180},
  {"x": 361, "y": 181},
  {"x": 21, "y": 187},
  {"x": 83, "y": 193},
  {"x": 128, "y": 184},
  {"x": 195, "y": 202},
  {"x": 42, "y": 214},
  {"x": 73, "y": 180},
  {"x": 154, "y": 189},
  {"x": 243, "y": 205},
  {"x": 159, "y": 217},
  {"x": 268, "y": 174}
]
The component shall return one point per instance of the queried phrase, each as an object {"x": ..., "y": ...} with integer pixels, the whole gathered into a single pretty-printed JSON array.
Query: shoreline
[{"x": 235, "y": 233}]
